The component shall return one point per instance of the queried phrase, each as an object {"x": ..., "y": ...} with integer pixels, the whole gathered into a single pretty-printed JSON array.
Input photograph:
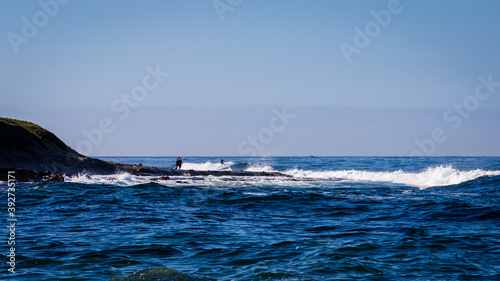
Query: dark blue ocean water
[{"x": 338, "y": 218}]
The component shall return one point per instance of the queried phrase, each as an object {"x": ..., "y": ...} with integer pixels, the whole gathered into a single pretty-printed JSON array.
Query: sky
[{"x": 97, "y": 72}]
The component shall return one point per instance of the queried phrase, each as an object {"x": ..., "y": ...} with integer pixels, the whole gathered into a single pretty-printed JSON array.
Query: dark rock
[
  {"x": 55, "y": 176},
  {"x": 141, "y": 170},
  {"x": 161, "y": 178}
]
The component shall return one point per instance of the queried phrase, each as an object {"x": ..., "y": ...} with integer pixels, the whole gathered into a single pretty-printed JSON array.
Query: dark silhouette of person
[
  {"x": 222, "y": 162},
  {"x": 178, "y": 163}
]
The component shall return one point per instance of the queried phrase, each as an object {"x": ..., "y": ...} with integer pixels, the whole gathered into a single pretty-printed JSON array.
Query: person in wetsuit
[{"x": 178, "y": 163}]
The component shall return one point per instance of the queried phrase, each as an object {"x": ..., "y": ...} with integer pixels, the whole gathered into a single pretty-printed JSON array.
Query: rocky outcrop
[
  {"x": 24, "y": 175},
  {"x": 35, "y": 154}
]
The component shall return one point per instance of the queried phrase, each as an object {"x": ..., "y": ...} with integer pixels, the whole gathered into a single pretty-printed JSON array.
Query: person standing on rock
[{"x": 178, "y": 163}]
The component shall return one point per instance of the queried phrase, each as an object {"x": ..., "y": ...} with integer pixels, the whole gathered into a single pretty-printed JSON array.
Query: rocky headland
[{"x": 36, "y": 154}]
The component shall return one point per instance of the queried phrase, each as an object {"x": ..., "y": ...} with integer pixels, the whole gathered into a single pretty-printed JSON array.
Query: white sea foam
[
  {"x": 259, "y": 168},
  {"x": 227, "y": 166},
  {"x": 430, "y": 177},
  {"x": 207, "y": 166},
  {"x": 120, "y": 179}
]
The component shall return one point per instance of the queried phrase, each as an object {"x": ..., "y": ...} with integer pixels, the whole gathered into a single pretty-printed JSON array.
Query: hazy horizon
[
  {"x": 242, "y": 78},
  {"x": 343, "y": 131}
]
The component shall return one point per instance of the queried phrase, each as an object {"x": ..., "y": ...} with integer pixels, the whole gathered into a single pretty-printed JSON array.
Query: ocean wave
[
  {"x": 227, "y": 166},
  {"x": 426, "y": 178},
  {"x": 429, "y": 177},
  {"x": 259, "y": 168},
  {"x": 207, "y": 166}
]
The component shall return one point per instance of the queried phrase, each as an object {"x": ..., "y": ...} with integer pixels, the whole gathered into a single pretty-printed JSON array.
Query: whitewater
[{"x": 433, "y": 176}]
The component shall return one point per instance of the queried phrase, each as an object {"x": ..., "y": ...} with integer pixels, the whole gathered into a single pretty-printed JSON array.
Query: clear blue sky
[{"x": 87, "y": 54}]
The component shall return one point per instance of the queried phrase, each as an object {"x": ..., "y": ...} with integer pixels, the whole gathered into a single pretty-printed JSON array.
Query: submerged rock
[{"x": 159, "y": 274}]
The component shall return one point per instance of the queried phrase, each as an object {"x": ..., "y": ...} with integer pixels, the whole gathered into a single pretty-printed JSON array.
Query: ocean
[{"x": 337, "y": 218}]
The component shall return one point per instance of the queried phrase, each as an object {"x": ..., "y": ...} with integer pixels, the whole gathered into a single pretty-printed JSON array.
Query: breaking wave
[
  {"x": 207, "y": 166},
  {"x": 444, "y": 175},
  {"x": 227, "y": 166},
  {"x": 429, "y": 177}
]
